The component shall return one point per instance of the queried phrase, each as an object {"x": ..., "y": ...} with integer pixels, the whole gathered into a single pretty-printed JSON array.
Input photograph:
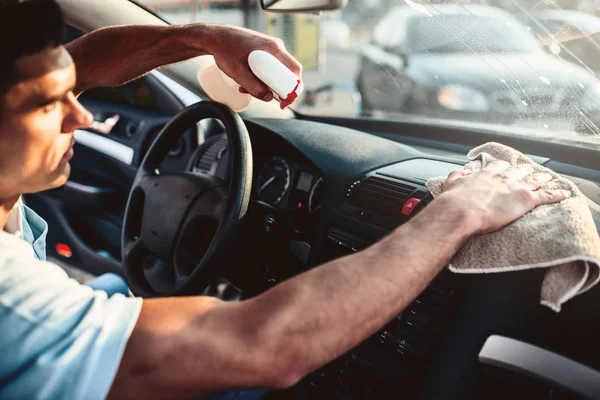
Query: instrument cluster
[{"x": 287, "y": 185}]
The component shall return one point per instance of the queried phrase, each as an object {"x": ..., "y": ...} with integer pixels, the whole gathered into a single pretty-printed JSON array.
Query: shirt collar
[{"x": 14, "y": 224}]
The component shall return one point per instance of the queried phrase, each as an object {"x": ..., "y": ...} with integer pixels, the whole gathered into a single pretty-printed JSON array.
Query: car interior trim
[
  {"x": 536, "y": 362},
  {"x": 186, "y": 96},
  {"x": 104, "y": 145}
]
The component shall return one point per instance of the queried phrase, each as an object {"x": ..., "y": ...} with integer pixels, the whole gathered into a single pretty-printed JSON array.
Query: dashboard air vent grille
[
  {"x": 381, "y": 195},
  {"x": 210, "y": 156}
]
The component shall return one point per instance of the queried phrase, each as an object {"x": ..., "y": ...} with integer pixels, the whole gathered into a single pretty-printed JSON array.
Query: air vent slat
[
  {"x": 386, "y": 181},
  {"x": 381, "y": 181},
  {"x": 209, "y": 157},
  {"x": 399, "y": 193},
  {"x": 392, "y": 195},
  {"x": 381, "y": 195}
]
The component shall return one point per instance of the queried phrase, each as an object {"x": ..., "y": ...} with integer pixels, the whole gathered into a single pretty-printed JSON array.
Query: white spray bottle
[
  {"x": 284, "y": 83},
  {"x": 286, "y": 86}
]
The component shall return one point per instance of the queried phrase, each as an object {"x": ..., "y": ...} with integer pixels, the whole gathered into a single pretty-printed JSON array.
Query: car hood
[{"x": 497, "y": 71}]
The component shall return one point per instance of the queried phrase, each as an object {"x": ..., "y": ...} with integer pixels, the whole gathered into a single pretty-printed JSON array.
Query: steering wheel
[{"x": 178, "y": 226}]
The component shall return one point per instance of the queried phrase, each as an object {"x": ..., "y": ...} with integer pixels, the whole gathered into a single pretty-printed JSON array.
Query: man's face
[{"x": 37, "y": 118}]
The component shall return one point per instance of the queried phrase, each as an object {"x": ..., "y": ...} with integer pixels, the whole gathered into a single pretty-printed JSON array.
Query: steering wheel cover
[{"x": 237, "y": 200}]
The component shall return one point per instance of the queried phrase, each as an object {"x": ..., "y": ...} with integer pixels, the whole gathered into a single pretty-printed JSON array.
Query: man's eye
[{"x": 49, "y": 107}]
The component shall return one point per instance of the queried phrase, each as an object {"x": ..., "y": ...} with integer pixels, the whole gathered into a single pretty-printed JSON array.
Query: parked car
[
  {"x": 471, "y": 62},
  {"x": 570, "y": 35}
]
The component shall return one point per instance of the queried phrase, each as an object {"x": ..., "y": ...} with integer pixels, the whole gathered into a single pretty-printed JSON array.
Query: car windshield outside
[{"x": 525, "y": 67}]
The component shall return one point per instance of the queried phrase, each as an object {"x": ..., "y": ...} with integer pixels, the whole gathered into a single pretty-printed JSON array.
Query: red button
[
  {"x": 64, "y": 250},
  {"x": 410, "y": 206}
]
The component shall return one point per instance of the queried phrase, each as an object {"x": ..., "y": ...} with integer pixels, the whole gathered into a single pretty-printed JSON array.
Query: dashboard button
[
  {"x": 410, "y": 206},
  {"x": 383, "y": 337},
  {"x": 415, "y": 325},
  {"x": 401, "y": 349}
]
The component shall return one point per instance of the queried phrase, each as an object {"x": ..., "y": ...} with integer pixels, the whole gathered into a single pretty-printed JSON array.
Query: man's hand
[
  {"x": 231, "y": 46},
  {"x": 498, "y": 194}
]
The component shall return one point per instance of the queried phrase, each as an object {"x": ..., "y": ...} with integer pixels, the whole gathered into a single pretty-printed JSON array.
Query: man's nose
[{"x": 77, "y": 117}]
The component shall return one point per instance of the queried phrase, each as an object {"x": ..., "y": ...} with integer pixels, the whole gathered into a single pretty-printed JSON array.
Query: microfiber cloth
[{"x": 561, "y": 237}]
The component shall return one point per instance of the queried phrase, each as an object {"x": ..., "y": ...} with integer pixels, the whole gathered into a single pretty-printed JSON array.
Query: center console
[{"x": 395, "y": 357}]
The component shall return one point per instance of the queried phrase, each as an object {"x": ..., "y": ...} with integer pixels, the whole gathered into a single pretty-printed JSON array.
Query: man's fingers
[
  {"x": 254, "y": 86},
  {"x": 535, "y": 181},
  {"x": 249, "y": 83},
  {"x": 257, "y": 88},
  {"x": 454, "y": 175},
  {"x": 550, "y": 196},
  {"x": 267, "y": 97},
  {"x": 285, "y": 57},
  {"x": 290, "y": 62}
]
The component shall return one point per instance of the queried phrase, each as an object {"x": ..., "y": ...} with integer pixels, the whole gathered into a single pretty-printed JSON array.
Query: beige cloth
[{"x": 561, "y": 237}]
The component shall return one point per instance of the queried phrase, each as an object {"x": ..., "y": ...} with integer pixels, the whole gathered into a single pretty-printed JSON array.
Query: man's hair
[{"x": 26, "y": 28}]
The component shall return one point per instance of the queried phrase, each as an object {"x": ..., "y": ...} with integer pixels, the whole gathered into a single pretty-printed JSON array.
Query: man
[{"x": 63, "y": 340}]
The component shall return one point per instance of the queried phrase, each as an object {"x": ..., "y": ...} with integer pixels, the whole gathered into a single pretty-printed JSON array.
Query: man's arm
[
  {"x": 115, "y": 55},
  {"x": 186, "y": 347},
  {"x": 280, "y": 336}
]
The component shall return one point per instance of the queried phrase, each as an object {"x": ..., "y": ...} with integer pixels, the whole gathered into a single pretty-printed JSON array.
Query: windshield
[
  {"x": 467, "y": 34},
  {"x": 523, "y": 67}
]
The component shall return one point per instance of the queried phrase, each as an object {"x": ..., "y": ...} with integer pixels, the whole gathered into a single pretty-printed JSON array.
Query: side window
[{"x": 134, "y": 94}]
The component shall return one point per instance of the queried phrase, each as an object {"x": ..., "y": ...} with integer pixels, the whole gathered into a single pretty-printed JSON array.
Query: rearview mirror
[{"x": 301, "y": 6}]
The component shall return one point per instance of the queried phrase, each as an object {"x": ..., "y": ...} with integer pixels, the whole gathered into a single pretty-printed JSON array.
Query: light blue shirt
[
  {"x": 58, "y": 339},
  {"x": 35, "y": 230}
]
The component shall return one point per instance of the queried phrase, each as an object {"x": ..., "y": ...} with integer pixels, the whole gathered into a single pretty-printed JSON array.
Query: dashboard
[
  {"x": 287, "y": 183},
  {"x": 321, "y": 192}
]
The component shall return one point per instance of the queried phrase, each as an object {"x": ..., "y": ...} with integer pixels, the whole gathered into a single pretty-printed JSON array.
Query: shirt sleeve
[{"x": 59, "y": 339}]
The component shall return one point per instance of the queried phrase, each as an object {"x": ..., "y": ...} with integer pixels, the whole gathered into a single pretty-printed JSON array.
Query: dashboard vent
[
  {"x": 210, "y": 156},
  {"x": 381, "y": 195}
]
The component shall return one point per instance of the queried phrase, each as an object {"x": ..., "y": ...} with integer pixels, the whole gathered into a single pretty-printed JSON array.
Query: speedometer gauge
[{"x": 273, "y": 181}]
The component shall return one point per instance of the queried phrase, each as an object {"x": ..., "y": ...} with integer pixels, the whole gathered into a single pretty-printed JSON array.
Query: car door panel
[{"x": 61, "y": 231}]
